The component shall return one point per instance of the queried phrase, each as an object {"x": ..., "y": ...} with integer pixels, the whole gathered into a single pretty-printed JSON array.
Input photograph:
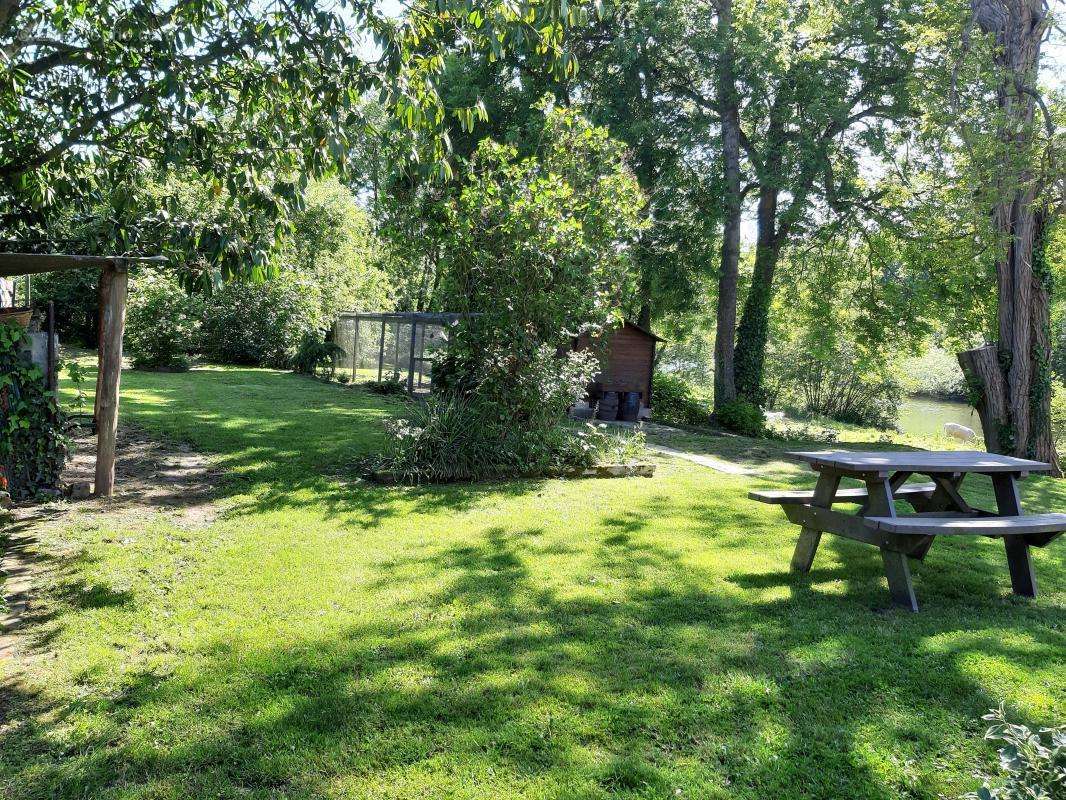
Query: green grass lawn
[{"x": 534, "y": 639}]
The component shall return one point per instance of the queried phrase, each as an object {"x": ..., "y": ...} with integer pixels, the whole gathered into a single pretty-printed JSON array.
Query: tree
[
  {"x": 255, "y": 96},
  {"x": 624, "y": 86},
  {"x": 799, "y": 93},
  {"x": 621, "y": 86},
  {"x": 1012, "y": 378},
  {"x": 540, "y": 253}
]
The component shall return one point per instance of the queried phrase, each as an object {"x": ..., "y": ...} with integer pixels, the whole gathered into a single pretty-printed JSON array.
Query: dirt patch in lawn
[{"x": 151, "y": 477}]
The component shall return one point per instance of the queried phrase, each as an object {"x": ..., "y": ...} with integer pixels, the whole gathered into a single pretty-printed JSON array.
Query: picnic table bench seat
[
  {"x": 970, "y": 525},
  {"x": 857, "y": 494}
]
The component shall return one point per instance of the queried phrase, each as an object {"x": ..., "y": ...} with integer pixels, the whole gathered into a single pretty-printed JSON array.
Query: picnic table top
[{"x": 921, "y": 461}]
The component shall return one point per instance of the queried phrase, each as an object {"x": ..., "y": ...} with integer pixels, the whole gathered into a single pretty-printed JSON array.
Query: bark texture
[
  {"x": 725, "y": 389},
  {"x": 1015, "y": 391}
]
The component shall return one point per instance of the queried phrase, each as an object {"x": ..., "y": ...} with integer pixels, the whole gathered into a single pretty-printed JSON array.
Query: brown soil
[
  {"x": 149, "y": 474},
  {"x": 150, "y": 477}
]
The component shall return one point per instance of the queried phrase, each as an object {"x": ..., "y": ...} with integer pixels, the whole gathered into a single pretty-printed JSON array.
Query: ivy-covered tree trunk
[
  {"x": 754, "y": 329},
  {"x": 1012, "y": 380},
  {"x": 725, "y": 390}
]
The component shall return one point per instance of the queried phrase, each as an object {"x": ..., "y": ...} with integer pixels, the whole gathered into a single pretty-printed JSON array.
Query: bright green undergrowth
[{"x": 528, "y": 639}]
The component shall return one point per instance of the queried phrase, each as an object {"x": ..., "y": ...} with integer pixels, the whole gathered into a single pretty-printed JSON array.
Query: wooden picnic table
[{"x": 940, "y": 509}]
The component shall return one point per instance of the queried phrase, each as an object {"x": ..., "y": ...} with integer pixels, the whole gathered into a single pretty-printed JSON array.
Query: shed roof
[{"x": 642, "y": 329}]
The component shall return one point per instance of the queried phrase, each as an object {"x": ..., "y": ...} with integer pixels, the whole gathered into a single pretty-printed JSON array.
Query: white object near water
[{"x": 960, "y": 432}]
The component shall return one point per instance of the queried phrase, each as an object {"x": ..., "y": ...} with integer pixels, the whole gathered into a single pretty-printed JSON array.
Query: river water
[{"x": 923, "y": 416}]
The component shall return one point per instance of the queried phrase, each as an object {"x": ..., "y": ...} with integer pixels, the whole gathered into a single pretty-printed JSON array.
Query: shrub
[
  {"x": 1034, "y": 762},
  {"x": 33, "y": 446},
  {"x": 259, "y": 324},
  {"x": 743, "y": 417},
  {"x": 162, "y": 323},
  {"x": 675, "y": 401},
  {"x": 387, "y": 386},
  {"x": 537, "y": 254},
  {"x": 446, "y": 439},
  {"x": 316, "y": 356},
  {"x": 936, "y": 373},
  {"x": 834, "y": 380}
]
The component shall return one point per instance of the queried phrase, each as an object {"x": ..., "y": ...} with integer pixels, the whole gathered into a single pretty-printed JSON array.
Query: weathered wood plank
[
  {"x": 1020, "y": 564},
  {"x": 856, "y": 494},
  {"x": 969, "y": 526},
  {"x": 880, "y": 502},
  {"x": 920, "y": 461},
  {"x": 848, "y": 526},
  {"x": 900, "y": 585},
  {"x": 824, "y": 494},
  {"x": 12, "y": 264}
]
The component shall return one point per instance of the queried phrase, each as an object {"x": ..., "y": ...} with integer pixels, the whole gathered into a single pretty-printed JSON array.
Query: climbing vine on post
[{"x": 33, "y": 446}]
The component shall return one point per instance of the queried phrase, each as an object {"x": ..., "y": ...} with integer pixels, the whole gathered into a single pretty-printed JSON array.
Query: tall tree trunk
[
  {"x": 1015, "y": 391},
  {"x": 754, "y": 329},
  {"x": 725, "y": 389}
]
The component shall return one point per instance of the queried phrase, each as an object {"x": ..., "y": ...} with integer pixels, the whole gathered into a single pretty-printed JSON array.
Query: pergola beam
[
  {"x": 16, "y": 264},
  {"x": 114, "y": 287}
]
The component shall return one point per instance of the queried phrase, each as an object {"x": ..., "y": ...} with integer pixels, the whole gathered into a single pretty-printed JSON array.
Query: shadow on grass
[
  {"x": 499, "y": 681},
  {"x": 280, "y": 439},
  {"x": 648, "y": 675}
]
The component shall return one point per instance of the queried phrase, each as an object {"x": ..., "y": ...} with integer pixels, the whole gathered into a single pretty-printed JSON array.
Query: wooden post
[
  {"x": 824, "y": 493},
  {"x": 411, "y": 358},
  {"x": 114, "y": 283},
  {"x": 1020, "y": 564},
  {"x": 381, "y": 350}
]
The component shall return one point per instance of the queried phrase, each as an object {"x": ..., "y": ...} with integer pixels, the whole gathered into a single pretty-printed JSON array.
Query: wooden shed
[{"x": 628, "y": 361}]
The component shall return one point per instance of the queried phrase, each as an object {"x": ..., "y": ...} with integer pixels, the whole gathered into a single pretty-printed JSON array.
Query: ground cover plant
[{"x": 629, "y": 638}]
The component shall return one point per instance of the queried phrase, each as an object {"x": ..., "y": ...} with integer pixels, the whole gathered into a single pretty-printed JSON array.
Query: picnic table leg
[
  {"x": 1019, "y": 562},
  {"x": 898, "y": 572},
  {"x": 807, "y": 546}
]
